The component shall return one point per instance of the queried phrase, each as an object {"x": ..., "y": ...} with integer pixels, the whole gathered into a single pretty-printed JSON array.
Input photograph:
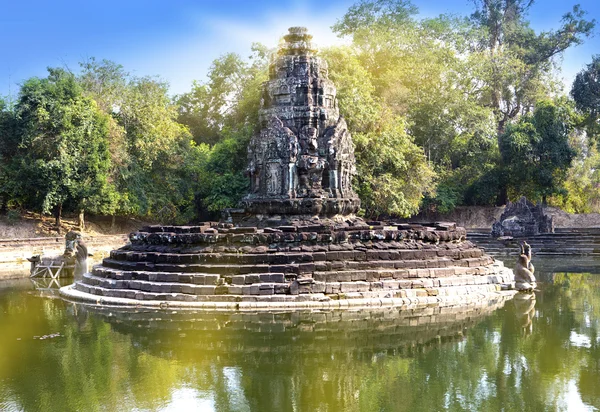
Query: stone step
[
  {"x": 176, "y": 291},
  {"x": 288, "y": 258},
  {"x": 298, "y": 269}
]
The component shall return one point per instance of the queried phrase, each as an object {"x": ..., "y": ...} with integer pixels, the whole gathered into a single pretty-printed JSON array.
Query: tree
[
  {"x": 586, "y": 93},
  {"x": 229, "y": 100},
  {"x": 7, "y": 149},
  {"x": 518, "y": 61},
  {"x": 156, "y": 165},
  {"x": 61, "y": 156},
  {"x": 459, "y": 82},
  {"x": 537, "y": 152},
  {"x": 392, "y": 172}
]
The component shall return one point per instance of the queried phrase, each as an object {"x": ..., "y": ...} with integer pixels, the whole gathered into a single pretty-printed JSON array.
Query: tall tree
[
  {"x": 519, "y": 60},
  {"x": 538, "y": 151},
  {"x": 156, "y": 165},
  {"x": 392, "y": 172},
  {"x": 586, "y": 93},
  {"x": 61, "y": 157}
]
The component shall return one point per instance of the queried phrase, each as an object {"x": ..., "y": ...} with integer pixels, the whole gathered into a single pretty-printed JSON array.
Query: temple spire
[{"x": 302, "y": 161}]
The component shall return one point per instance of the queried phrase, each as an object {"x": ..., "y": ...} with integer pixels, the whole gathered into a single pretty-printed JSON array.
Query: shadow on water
[{"x": 525, "y": 354}]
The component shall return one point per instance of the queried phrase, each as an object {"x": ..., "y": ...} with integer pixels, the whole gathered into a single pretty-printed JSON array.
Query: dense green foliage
[
  {"x": 458, "y": 84},
  {"x": 537, "y": 150},
  {"x": 444, "y": 111},
  {"x": 57, "y": 152},
  {"x": 586, "y": 93}
]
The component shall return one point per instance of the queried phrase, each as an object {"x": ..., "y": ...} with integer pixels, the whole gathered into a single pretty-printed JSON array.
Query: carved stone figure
[
  {"x": 304, "y": 150},
  {"x": 76, "y": 248},
  {"x": 524, "y": 279}
]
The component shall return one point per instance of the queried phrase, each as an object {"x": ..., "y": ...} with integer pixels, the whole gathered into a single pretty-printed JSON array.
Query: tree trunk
[
  {"x": 112, "y": 224},
  {"x": 502, "y": 197},
  {"x": 57, "y": 215},
  {"x": 3, "y": 205},
  {"x": 81, "y": 222}
]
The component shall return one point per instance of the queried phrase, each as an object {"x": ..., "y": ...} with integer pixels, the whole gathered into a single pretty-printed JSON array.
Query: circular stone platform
[{"x": 218, "y": 266}]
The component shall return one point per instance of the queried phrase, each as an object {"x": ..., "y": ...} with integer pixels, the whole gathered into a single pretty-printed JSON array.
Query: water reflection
[
  {"x": 526, "y": 354},
  {"x": 525, "y": 310}
]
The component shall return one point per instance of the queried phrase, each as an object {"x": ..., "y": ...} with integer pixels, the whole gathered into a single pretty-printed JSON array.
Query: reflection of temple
[
  {"x": 302, "y": 161},
  {"x": 293, "y": 334},
  {"x": 317, "y": 360}
]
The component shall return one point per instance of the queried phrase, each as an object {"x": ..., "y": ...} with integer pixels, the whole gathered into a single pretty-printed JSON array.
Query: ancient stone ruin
[
  {"x": 522, "y": 219},
  {"x": 302, "y": 161},
  {"x": 296, "y": 242}
]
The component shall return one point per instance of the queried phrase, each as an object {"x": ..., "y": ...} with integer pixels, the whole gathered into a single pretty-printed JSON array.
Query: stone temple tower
[
  {"x": 302, "y": 161},
  {"x": 296, "y": 245}
]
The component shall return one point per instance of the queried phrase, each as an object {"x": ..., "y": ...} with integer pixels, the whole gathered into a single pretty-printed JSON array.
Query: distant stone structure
[
  {"x": 302, "y": 161},
  {"x": 295, "y": 241},
  {"x": 522, "y": 219}
]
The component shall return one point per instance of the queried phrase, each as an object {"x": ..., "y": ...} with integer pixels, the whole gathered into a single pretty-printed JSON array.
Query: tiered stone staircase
[
  {"x": 564, "y": 242},
  {"x": 286, "y": 264}
]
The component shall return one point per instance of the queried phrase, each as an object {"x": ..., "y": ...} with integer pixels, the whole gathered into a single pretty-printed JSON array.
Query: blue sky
[{"x": 178, "y": 39}]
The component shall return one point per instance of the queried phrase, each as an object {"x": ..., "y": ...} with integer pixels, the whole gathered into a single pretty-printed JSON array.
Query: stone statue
[
  {"x": 524, "y": 279},
  {"x": 76, "y": 249},
  {"x": 73, "y": 261}
]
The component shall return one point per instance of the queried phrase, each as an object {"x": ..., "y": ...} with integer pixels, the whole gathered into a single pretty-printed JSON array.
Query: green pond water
[{"x": 515, "y": 355}]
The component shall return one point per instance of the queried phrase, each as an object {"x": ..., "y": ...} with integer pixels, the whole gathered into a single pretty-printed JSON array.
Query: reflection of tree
[
  {"x": 466, "y": 358},
  {"x": 88, "y": 368}
]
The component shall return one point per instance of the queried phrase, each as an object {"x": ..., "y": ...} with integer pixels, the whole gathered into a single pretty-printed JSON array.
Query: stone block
[
  {"x": 318, "y": 287},
  {"x": 221, "y": 290},
  {"x": 359, "y": 275},
  {"x": 376, "y": 286},
  {"x": 252, "y": 279},
  {"x": 281, "y": 288},
  {"x": 266, "y": 289},
  {"x": 234, "y": 290},
  {"x": 320, "y": 266},
  {"x": 306, "y": 268},
  {"x": 211, "y": 279},
  {"x": 331, "y": 288},
  {"x": 390, "y": 284},
  {"x": 333, "y": 255},
  {"x": 346, "y": 287},
  {"x": 319, "y": 256},
  {"x": 372, "y": 275},
  {"x": 277, "y": 278}
]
